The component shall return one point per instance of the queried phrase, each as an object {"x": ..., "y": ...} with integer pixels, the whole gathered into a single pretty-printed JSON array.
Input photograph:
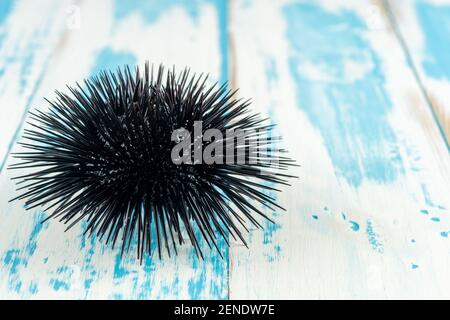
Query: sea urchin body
[{"x": 109, "y": 153}]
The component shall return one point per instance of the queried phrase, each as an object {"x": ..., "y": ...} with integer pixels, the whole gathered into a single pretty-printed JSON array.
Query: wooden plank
[
  {"x": 40, "y": 261},
  {"x": 25, "y": 49},
  {"x": 423, "y": 26},
  {"x": 368, "y": 217}
]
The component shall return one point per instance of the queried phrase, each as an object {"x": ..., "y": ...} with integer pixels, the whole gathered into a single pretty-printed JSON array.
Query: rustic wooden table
[{"x": 361, "y": 92}]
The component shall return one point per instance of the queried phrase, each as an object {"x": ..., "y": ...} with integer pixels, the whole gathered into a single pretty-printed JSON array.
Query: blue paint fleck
[
  {"x": 272, "y": 256},
  {"x": 270, "y": 229},
  {"x": 116, "y": 296},
  {"x": 354, "y": 225},
  {"x": 315, "y": 217},
  {"x": 374, "y": 238},
  {"x": 351, "y": 116},
  {"x": 413, "y": 241},
  {"x": 18, "y": 286},
  {"x": 424, "y": 211},
  {"x": 414, "y": 266},
  {"x": 343, "y": 216},
  {"x": 427, "y": 197},
  {"x": 444, "y": 234},
  {"x": 32, "y": 244},
  {"x": 435, "y": 219},
  {"x": 62, "y": 278},
  {"x": 119, "y": 270},
  {"x": 59, "y": 284},
  {"x": 33, "y": 288},
  {"x": 88, "y": 283},
  {"x": 277, "y": 248}
]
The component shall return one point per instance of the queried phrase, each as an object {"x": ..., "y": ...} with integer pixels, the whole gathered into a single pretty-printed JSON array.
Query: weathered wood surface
[
  {"x": 368, "y": 217},
  {"x": 424, "y": 28},
  {"x": 40, "y": 261}
]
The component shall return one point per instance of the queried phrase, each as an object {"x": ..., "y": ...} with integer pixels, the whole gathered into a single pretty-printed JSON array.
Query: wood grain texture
[
  {"x": 41, "y": 261},
  {"x": 368, "y": 217},
  {"x": 424, "y": 27},
  {"x": 25, "y": 50}
]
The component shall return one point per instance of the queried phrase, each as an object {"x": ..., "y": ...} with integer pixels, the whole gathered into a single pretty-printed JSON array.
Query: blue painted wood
[
  {"x": 366, "y": 219},
  {"x": 336, "y": 80},
  {"x": 423, "y": 27},
  {"x": 435, "y": 22},
  {"x": 39, "y": 261},
  {"x": 25, "y": 50}
]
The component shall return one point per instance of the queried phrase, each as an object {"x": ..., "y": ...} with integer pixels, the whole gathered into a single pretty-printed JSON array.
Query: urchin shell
[{"x": 102, "y": 154}]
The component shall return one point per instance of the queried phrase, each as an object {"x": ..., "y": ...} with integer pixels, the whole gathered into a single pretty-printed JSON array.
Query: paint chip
[
  {"x": 435, "y": 219},
  {"x": 354, "y": 225},
  {"x": 374, "y": 238},
  {"x": 414, "y": 266},
  {"x": 315, "y": 217}
]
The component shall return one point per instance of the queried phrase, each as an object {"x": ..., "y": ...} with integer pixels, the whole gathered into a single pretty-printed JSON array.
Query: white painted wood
[
  {"x": 28, "y": 35},
  {"x": 397, "y": 252},
  {"x": 424, "y": 28},
  {"x": 44, "y": 262}
]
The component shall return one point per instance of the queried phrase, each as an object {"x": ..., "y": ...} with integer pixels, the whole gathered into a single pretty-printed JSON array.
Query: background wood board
[
  {"x": 424, "y": 26},
  {"x": 40, "y": 261},
  {"x": 29, "y": 32},
  {"x": 368, "y": 217},
  {"x": 360, "y": 221}
]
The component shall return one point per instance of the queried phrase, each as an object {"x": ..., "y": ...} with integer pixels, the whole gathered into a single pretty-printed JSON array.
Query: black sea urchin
[{"x": 108, "y": 154}]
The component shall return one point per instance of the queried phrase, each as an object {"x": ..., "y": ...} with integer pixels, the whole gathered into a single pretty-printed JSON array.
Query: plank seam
[
  {"x": 31, "y": 98},
  {"x": 410, "y": 62}
]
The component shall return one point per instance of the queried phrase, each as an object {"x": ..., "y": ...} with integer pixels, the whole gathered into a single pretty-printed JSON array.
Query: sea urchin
[{"x": 151, "y": 156}]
